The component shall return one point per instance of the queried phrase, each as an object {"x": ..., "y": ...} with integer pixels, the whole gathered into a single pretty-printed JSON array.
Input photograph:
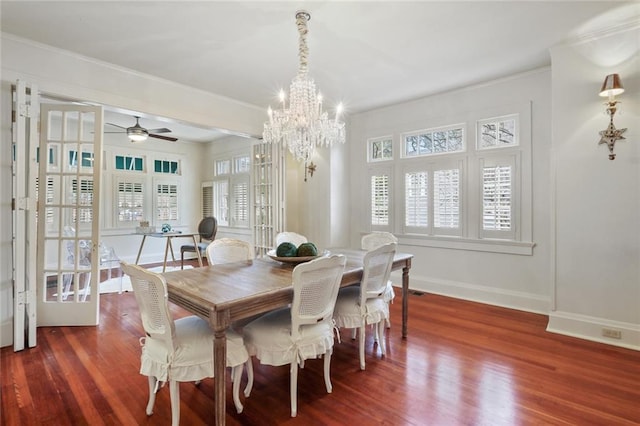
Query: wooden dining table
[{"x": 225, "y": 293}]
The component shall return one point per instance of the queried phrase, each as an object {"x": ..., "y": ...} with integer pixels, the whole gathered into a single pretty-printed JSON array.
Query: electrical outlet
[{"x": 611, "y": 333}]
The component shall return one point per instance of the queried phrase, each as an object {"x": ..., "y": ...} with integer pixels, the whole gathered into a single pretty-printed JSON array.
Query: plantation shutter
[
  {"x": 446, "y": 198},
  {"x": 380, "y": 200},
  {"x": 417, "y": 200},
  {"x": 166, "y": 202},
  {"x": 130, "y": 201},
  {"x": 240, "y": 195},
  {"x": 221, "y": 201},
  {"x": 81, "y": 194},
  {"x": 496, "y": 198},
  {"x": 207, "y": 200}
]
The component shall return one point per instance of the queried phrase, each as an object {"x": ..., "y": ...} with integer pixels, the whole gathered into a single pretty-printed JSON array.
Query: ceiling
[{"x": 366, "y": 54}]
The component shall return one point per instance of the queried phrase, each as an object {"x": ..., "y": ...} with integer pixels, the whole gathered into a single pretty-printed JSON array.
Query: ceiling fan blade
[
  {"x": 166, "y": 138},
  {"x": 161, "y": 130},
  {"x": 116, "y": 132},
  {"x": 111, "y": 124}
]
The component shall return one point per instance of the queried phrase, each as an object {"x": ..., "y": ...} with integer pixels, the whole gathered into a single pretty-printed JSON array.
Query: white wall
[
  {"x": 597, "y": 201},
  {"x": 516, "y": 281}
]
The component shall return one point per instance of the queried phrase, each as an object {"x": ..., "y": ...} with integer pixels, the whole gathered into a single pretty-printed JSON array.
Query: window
[
  {"x": 130, "y": 163},
  {"x": 380, "y": 149},
  {"x": 380, "y": 199},
  {"x": 432, "y": 195},
  {"x": 85, "y": 161},
  {"x": 166, "y": 167},
  {"x": 129, "y": 202},
  {"x": 82, "y": 197},
  {"x": 207, "y": 200},
  {"x": 166, "y": 202},
  {"x": 242, "y": 164},
  {"x": 434, "y": 141},
  {"x": 223, "y": 167},
  {"x": 498, "y": 132},
  {"x": 458, "y": 193},
  {"x": 416, "y": 200},
  {"x": 231, "y": 191},
  {"x": 446, "y": 199},
  {"x": 221, "y": 202},
  {"x": 498, "y": 197}
]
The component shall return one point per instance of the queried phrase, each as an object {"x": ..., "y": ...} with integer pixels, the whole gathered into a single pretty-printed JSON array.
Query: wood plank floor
[{"x": 463, "y": 363}]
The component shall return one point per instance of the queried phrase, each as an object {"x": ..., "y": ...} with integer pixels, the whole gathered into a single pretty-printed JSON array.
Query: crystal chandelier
[{"x": 302, "y": 124}]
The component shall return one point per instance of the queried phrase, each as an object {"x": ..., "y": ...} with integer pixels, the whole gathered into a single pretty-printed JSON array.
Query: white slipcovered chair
[
  {"x": 229, "y": 250},
  {"x": 358, "y": 306},
  {"x": 290, "y": 237},
  {"x": 375, "y": 240},
  {"x": 305, "y": 330},
  {"x": 177, "y": 351}
]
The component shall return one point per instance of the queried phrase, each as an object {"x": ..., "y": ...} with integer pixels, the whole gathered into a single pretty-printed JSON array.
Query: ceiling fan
[{"x": 138, "y": 133}]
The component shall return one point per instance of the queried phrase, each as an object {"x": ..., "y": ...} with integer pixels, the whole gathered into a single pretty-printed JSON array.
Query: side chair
[
  {"x": 228, "y": 250},
  {"x": 180, "y": 350},
  {"x": 207, "y": 228},
  {"x": 290, "y": 237},
  {"x": 359, "y": 306},
  {"x": 304, "y": 330},
  {"x": 372, "y": 241}
]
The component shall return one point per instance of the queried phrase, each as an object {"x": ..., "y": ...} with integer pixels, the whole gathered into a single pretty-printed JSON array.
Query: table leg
[
  {"x": 166, "y": 252},
  {"x": 195, "y": 244},
  {"x": 219, "y": 322},
  {"x": 405, "y": 298},
  {"x": 140, "y": 249},
  {"x": 171, "y": 248}
]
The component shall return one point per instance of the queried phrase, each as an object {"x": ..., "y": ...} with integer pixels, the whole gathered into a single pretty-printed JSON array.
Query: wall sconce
[
  {"x": 611, "y": 87},
  {"x": 311, "y": 168}
]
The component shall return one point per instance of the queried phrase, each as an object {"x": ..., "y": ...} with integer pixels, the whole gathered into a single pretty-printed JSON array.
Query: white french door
[{"x": 68, "y": 218}]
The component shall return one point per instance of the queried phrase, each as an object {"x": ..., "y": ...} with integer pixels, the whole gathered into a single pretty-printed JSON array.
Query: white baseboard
[
  {"x": 521, "y": 301},
  {"x": 590, "y": 328}
]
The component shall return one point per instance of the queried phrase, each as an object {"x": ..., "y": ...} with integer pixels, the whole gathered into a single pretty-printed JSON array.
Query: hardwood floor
[{"x": 463, "y": 363}]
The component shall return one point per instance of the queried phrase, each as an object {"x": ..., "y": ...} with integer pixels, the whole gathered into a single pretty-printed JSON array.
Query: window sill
[{"x": 523, "y": 248}]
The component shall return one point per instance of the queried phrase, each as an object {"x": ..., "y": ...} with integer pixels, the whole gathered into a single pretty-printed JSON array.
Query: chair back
[
  {"x": 290, "y": 237},
  {"x": 376, "y": 239},
  {"x": 376, "y": 270},
  {"x": 151, "y": 294},
  {"x": 315, "y": 289},
  {"x": 207, "y": 228},
  {"x": 229, "y": 250}
]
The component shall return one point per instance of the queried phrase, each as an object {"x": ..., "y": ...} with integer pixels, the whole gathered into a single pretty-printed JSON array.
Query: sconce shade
[{"x": 612, "y": 86}]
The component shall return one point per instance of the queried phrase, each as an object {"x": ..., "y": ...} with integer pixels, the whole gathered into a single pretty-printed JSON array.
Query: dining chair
[
  {"x": 290, "y": 237},
  {"x": 228, "y": 250},
  {"x": 358, "y": 306},
  {"x": 304, "y": 330},
  {"x": 231, "y": 250},
  {"x": 180, "y": 350},
  {"x": 374, "y": 240},
  {"x": 207, "y": 228}
]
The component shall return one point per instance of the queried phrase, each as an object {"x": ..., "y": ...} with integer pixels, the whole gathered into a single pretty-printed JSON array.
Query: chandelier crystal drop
[{"x": 303, "y": 124}]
